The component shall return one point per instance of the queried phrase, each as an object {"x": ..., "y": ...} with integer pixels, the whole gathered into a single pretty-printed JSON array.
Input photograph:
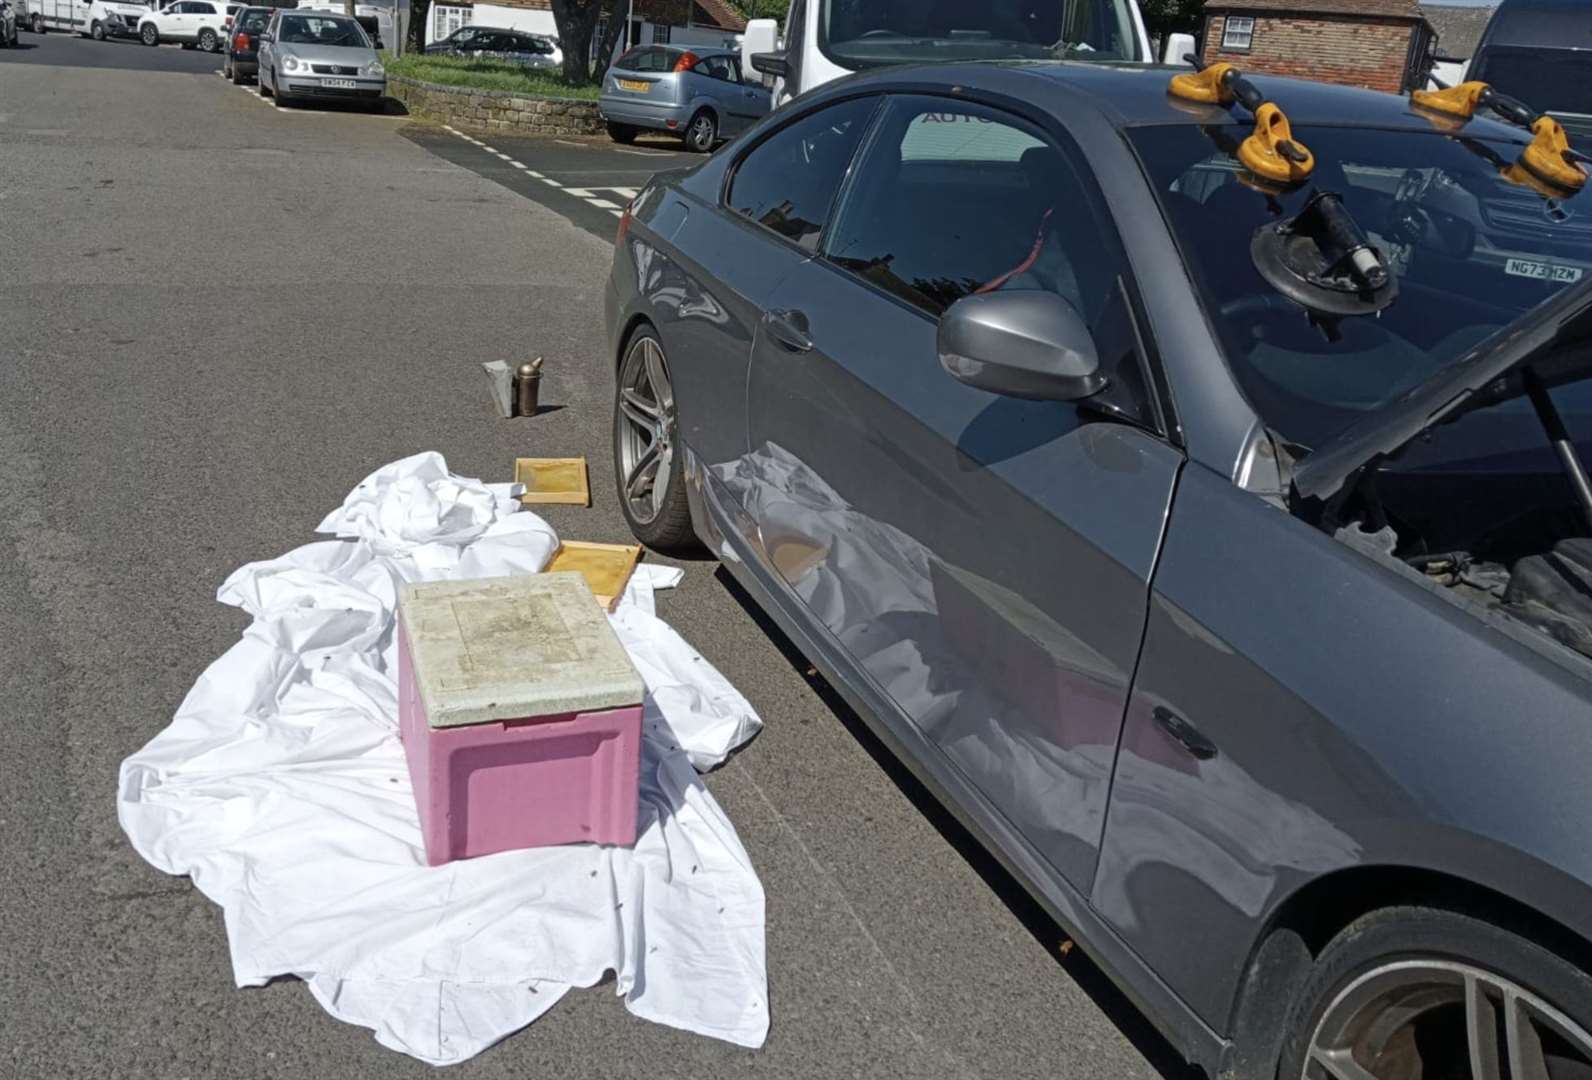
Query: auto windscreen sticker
[{"x": 1543, "y": 271}]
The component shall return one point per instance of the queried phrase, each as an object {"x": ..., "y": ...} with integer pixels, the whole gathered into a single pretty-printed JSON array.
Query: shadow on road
[{"x": 1101, "y": 990}]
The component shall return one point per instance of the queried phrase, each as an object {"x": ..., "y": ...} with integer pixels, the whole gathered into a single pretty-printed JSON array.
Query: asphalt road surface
[{"x": 215, "y": 317}]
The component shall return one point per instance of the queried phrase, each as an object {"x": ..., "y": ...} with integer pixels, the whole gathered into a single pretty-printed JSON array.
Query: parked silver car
[
  {"x": 317, "y": 54},
  {"x": 698, "y": 94}
]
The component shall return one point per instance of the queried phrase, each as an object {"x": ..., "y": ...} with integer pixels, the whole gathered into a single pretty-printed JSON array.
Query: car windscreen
[
  {"x": 860, "y": 34},
  {"x": 321, "y": 30},
  {"x": 1554, "y": 80},
  {"x": 1471, "y": 251}
]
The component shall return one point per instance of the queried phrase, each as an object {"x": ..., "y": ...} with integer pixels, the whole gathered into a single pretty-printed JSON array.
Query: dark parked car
[
  {"x": 241, "y": 61},
  {"x": 697, "y": 94},
  {"x": 513, "y": 46},
  {"x": 1213, "y": 545}
]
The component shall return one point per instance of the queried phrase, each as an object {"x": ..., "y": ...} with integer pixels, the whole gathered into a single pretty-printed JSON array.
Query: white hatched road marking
[{"x": 589, "y": 195}]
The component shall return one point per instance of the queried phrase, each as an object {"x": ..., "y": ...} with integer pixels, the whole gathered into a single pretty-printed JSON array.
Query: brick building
[{"x": 1378, "y": 44}]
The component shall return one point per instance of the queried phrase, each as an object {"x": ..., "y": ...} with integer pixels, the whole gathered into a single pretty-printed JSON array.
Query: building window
[
  {"x": 660, "y": 34},
  {"x": 1238, "y": 32},
  {"x": 445, "y": 20}
]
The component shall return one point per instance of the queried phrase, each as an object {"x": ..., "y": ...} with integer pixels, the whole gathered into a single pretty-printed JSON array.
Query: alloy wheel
[
  {"x": 646, "y": 436},
  {"x": 702, "y": 133},
  {"x": 1440, "y": 1020}
]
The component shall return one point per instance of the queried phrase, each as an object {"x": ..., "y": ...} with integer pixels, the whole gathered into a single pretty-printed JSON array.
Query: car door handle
[
  {"x": 790, "y": 329},
  {"x": 1183, "y": 733}
]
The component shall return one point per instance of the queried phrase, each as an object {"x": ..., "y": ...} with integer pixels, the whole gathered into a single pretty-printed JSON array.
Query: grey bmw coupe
[{"x": 1187, "y": 482}]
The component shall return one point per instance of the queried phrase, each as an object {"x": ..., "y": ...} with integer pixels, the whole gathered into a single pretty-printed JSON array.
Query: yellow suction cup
[
  {"x": 1208, "y": 86},
  {"x": 1462, "y": 100},
  {"x": 1547, "y": 159},
  {"x": 1271, "y": 152}
]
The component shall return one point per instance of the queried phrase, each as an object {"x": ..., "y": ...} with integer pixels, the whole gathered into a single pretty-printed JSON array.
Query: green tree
[
  {"x": 763, "y": 9},
  {"x": 577, "y": 21},
  {"x": 1163, "y": 17}
]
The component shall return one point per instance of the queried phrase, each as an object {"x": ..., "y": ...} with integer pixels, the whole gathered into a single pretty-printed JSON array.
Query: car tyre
[
  {"x": 648, "y": 462},
  {"x": 148, "y": 34},
  {"x": 1417, "y": 991},
  {"x": 621, "y": 133},
  {"x": 38, "y": 23},
  {"x": 208, "y": 42},
  {"x": 97, "y": 31},
  {"x": 259, "y": 81},
  {"x": 702, "y": 133}
]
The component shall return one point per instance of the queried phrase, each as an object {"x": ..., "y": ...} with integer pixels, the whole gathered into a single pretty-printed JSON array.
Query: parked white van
[
  {"x": 98, "y": 19},
  {"x": 827, "y": 39}
]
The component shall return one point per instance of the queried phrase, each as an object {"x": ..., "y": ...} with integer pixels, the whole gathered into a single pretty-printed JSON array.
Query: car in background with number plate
[
  {"x": 315, "y": 54},
  {"x": 697, "y": 94}
]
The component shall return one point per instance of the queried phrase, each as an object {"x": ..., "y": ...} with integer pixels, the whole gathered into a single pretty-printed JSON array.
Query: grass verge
[{"x": 484, "y": 75}]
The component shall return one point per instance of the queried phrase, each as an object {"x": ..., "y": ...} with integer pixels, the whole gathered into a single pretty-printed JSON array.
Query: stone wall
[{"x": 496, "y": 110}]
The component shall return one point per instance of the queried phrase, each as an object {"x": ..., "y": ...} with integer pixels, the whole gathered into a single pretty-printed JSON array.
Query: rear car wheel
[
  {"x": 148, "y": 34},
  {"x": 38, "y": 23},
  {"x": 97, "y": 31},
  {"x": 702, "y": 133},
  {"x": 1421, "y": 994},
  {"x": 207, "y": 40},
  {"x": 647, "y": 463},
  {"x": 621, "y": 133}
]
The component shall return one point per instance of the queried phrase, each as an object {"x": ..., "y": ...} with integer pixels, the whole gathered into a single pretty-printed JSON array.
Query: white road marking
[
  {"x": 566, "y": 142},
  {"x": 587, "y": 195},
  {"x": 640, "y": 153}
]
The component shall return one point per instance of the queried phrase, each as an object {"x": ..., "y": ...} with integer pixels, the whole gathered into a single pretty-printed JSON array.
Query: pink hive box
[{"x": 520, "y": 715}]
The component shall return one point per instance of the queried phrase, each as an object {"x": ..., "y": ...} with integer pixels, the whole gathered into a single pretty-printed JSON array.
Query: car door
[
  {"x": 265, "y": 56},
  {"x": 983, "y": 561},
  {"x": 737, "y": 107},
  {"x": 727, "y": 261}
]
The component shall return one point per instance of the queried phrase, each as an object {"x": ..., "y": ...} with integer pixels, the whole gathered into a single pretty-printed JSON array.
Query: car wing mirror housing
[
  {"x": 1030, "y": 344},
  {"x": 773, "y": 64}
]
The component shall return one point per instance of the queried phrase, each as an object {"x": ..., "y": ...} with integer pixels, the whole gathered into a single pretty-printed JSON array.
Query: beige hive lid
[{"x": 508, "y": 648}]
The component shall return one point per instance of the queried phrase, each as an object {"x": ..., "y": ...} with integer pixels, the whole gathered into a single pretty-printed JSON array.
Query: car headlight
[
  {"x": 374, "y": 70},
  {"x": 291, "y": 63}
]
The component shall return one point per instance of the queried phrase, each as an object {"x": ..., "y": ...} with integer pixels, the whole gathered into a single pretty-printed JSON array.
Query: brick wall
[
  {"x": 1356, "y": 50},
  {"x": 496, "y": 110}
]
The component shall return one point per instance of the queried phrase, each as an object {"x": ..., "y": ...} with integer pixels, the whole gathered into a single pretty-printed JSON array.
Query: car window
[
  {"x": 954, "y": 199},
  {"x": 717, "y": 67},
  {"x": 303, "y": 29},
  {"x": 788, "y": 181},
  {"x": 254, "y": 19},
  {"x": 643, "y": 59}
]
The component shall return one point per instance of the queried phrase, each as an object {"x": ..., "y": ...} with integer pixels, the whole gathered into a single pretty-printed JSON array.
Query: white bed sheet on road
[{"x": 280, "y": 787}]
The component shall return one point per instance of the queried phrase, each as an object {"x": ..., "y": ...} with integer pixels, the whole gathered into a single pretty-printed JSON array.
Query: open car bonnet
[{"x": 1555, "y": 339}]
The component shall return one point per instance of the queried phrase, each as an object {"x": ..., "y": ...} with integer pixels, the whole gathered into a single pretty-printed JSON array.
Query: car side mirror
[
  {"x": 267, "y": 38},
  {"x": 773, "y": 64},
  {"x": 1029, "y": 344}
]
